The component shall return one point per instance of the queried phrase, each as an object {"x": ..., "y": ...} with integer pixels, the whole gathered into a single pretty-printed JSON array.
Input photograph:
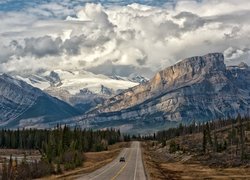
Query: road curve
[{"x": 132, "y": 169}]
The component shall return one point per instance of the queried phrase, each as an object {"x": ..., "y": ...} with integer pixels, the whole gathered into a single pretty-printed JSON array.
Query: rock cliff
[{"x": 195, "y": 89}]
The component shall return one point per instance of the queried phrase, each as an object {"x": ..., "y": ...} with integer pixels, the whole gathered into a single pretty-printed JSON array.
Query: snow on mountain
[
  {"x": 35, "y": 81},
  {"x": 79, "y": 88},
  {"x": 74, "y": 81},
  {"x": 20, "y": 101}
]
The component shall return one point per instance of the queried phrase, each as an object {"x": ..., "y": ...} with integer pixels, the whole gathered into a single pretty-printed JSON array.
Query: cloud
[
  {"x": 232, "y": 53},
  {"x": 234, "y": 32},
  {"x": 191, "y": 21},
  {"x": 122, "y": 37},
  {"x": 235, "y": 55},
  {"x": 109, "y": 68},
  {"x": 94, "y": 13},
  {"x": 43, "y": 46},
  {"x": 72, "y": 45}
]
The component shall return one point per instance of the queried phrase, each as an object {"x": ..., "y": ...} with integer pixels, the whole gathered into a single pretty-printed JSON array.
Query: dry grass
[
  {"x": 93, "y": 161},
  {"x": 153, "y": 167},
  {"x": 162, "y": 165},
  {"x": 197, "y": 171}
]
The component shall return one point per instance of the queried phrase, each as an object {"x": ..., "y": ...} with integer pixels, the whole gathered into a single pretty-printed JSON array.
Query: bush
[
  {"x": 72, "y": 159},
  {"x": 173, "y": 147}
]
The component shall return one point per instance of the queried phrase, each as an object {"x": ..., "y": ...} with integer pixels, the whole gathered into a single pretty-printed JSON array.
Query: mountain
[
  {"x": 199, "y": 88},
  {"x": 81, "y": 89},
  {"x": 25, "y": 106}
]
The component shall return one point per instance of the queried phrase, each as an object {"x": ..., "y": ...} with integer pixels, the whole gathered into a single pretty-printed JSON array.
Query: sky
[{"x": 119, "y": 37}]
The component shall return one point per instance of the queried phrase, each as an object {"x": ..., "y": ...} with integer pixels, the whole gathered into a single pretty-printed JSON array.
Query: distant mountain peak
[
  {"x": 54, "y": 79},
  {"x": 106, "y": 91},
  {"x": 138, "y": 78},
  {"x": 243, "y": 65}
]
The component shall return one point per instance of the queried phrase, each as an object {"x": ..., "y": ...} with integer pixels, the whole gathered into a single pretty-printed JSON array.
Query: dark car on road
[{"x": 122, "y": 159}]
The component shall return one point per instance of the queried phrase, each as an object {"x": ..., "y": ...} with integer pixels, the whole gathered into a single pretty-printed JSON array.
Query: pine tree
[
  {"x": 215, "y": 143},
  {"x": 209, "y": 135},
  {"x": 204, "y": 142},
  {"x": 242, "y": 138}
]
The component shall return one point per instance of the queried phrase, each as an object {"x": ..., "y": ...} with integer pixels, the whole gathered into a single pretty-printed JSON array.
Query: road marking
[
  {"x": 136, "y": 161},
  {"x": 123, "y": 167},
  {"x": 108, "y": 168}
]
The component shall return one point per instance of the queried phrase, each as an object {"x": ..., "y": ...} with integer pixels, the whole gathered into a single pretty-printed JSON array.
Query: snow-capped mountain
[
  {"x": 74, "y": 81},
  {"x": 25, "y": 106},
  {"x": 199, "y": 88},
  {"x": 81, "y": 89}
]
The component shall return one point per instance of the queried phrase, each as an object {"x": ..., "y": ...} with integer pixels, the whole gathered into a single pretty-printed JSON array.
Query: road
[{"x": 132, "y": 169}]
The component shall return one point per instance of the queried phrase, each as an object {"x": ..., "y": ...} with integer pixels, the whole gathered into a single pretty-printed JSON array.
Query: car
[{"x": 122, "y": 159}]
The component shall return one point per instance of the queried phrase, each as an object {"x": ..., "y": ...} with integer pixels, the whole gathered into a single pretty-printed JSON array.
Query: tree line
[
  {"x": 197, "y": 127},
  {"x": 62, "y": 148}
]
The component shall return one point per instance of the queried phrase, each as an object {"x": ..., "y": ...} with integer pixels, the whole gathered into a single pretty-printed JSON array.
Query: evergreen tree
[
  {"x": 204, "y": 142},
  {"x": 215, "y": 143},
  {"x": 242, "y": 138}
]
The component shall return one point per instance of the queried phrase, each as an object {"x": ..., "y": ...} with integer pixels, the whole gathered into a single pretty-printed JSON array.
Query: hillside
[
  {"x": 216, "y": 150},
  {"x": 25, "y": 106}
]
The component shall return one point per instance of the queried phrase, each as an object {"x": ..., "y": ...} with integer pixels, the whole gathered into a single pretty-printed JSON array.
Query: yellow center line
[{"x": 122, "y": 168}]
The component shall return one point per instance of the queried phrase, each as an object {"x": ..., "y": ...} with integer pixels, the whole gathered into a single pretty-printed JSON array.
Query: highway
[{"x": 131, "y": 169}]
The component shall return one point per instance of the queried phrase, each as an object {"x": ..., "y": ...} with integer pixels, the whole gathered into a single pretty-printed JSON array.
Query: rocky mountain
[
  {"x": 25, "y": 106},
  {"x": 81, "y": 89},
  {"x": 137, "y": 78},
  {"x": 195, "y": 89}
]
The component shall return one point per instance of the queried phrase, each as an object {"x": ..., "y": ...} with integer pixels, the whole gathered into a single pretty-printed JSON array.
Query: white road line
[
  {"x": 136, "y": 161},
  {"x": 107, "y": 168}
]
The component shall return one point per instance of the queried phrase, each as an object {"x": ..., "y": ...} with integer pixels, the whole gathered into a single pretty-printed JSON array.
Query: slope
[{"x": 23, "y": 105}]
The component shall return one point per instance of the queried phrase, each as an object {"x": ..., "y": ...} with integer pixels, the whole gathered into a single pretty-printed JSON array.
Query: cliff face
[
  {"x": 197, "y": 88},
  {"x": 187, "y": 72}
]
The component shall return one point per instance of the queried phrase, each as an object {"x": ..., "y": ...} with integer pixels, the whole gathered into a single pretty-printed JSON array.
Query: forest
[{"x": 62, "y": 148}]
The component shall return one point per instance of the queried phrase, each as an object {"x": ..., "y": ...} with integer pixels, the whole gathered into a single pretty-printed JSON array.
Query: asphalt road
[{"x": 131, "y": 169}]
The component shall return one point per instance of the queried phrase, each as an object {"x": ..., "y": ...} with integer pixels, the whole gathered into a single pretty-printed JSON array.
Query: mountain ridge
[
  {"x": 67, "y": 85},
  {"x": 21, "y": 101},
  {"x": 199, "y": 88}
]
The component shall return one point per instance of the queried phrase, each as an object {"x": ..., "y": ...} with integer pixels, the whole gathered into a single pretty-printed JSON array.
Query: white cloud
[{"x": 136, "y": 37}]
